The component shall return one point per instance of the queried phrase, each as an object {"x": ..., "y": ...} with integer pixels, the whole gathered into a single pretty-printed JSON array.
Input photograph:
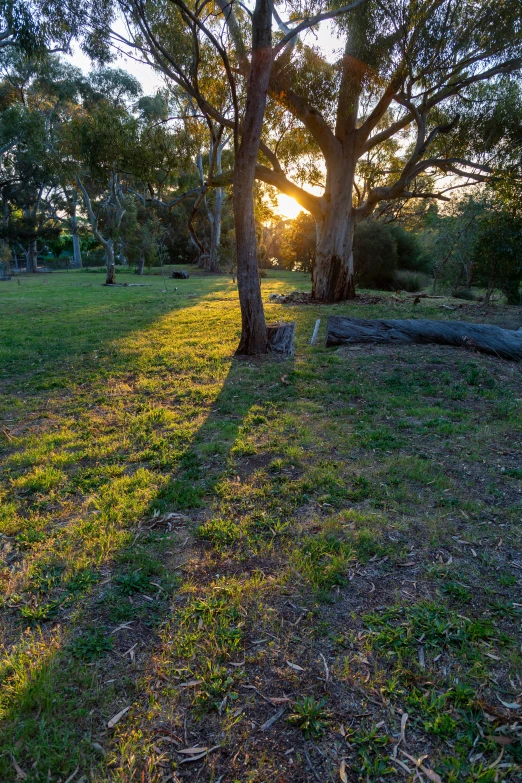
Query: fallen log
[
  {"x": 180, "y": 274},
  {"x": 505, "y": 343}
]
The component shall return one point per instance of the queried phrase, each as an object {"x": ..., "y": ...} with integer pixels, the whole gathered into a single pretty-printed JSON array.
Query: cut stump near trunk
[
  {"x": 280, "y": 338},
  {"x": 504, "y": 343}
]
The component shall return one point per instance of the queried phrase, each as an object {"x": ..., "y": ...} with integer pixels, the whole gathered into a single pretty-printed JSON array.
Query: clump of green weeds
[
  {"x": 310, "y": 716},
  {"x": 220, "y": 532},
  {"x": 323, "y": 560},
  {"x": 91, "y": 645}
]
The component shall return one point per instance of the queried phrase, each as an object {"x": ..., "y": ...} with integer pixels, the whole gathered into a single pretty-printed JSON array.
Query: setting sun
[{"x": 288, "y": 207}]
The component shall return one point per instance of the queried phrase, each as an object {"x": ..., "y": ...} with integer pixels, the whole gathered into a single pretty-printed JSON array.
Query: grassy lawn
[{"x": 248, "y": 571}]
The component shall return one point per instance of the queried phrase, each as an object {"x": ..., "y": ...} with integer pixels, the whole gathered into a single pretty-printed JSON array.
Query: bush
[
  {"x": 407, "y": 280},
  {"x": 94, "y": 258},
  {"x": 381, "y": 249},
  {"x": 464, "y": 293},
  {"x": 409, "y": 252},
  {"x": 375, "y": 255}
]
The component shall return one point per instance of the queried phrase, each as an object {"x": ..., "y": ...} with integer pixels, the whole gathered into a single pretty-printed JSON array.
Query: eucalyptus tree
[
  {"x": 187, "y": 42},
  {"x": 384, "y": 122},
  {"x": 36, "y": 94},
  {"x": 385, "y": 118},
  {"x": 102, "y": 142},
  {"x": 39, "y": 27}
]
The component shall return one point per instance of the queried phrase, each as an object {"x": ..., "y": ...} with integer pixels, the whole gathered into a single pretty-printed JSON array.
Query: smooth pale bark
[
  {"x": 215, "y": 231},
  {"x": 77, "y": 250},
  {"x": 215, "y": 217},
  {"x": 108, "y": 247},
  {"x": 505, "y": 343},
  {"x": 253, "y": 327},
  {"x": 106, "y": 243}
]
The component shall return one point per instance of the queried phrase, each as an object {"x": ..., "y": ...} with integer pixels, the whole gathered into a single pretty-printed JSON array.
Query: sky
[{"x": 151, "y": 81}]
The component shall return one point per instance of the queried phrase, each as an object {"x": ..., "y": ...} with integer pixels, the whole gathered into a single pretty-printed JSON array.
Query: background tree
[{"x": 298, "y": 243}]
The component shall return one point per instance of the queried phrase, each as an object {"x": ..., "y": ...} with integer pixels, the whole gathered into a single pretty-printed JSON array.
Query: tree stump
[
  {"x": 280, "y": 338},
  {"x": 180, "y": 274},
  {"x": 504, "y": 343}
]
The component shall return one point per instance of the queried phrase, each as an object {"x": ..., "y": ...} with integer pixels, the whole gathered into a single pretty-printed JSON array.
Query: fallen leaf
[
  {"x": 19, "y": 772},
  {"x": 267, "y": 724},
  {"x": 116, "y": 719},
  {"x": 278, "y": 699},
  {"x": 124, "y": 627},
  {"x": 190, "y": 684},
  {"x": 510, "y": 705},
  {"x": 501, "y": 740},
  {"x": 193, "y": 751},
  {"x": 430, "y": 774},
  {"x": 295, "y": 666},
  {"x": 404, "y": 721},
  {"x": 342, "y": 772},
  {"x": 70, "y": 778},
  {"x": 284, "y": 379},
  {"x": 199, "y": 755}
]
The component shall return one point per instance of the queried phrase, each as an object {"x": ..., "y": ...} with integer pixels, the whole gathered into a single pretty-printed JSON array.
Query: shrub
[
  {"x": 375, "y": 255},
  {"x": 464, "y": 293},
  {"x": 381, "y": 249},
  {"x": 409, "y": 251},
  {"x": 407, "y": 280}
]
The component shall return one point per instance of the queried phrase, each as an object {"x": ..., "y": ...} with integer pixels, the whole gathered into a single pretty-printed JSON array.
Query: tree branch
[{"x": 307, "y": 200}]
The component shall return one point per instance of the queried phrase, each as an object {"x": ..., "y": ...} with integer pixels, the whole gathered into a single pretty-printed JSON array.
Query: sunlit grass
[{"x": 171, "y": 515}]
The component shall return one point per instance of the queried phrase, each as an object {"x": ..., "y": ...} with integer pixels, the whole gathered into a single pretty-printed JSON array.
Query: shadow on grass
[{"x": 68, "y": 673}]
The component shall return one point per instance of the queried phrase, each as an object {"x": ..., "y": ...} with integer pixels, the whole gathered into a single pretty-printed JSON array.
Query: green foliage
[
  {"x": 498, "y": 253},
  {"x": 406, "y": 280},
  {"x": 323, "y": 560},
  {"x": 133, "y": 582},
  {"x": 375, "y": 255},
  {"x": 296, "y": 248},
  {"x": 91, "y": 645},
  {"x": 221, "y": 532},
  {"x": 382, "y": 250},
  {"x": 310, "y": 716}
]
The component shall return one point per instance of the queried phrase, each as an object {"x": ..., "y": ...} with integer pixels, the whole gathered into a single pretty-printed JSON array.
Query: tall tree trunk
[
  {"x": 77, "y": 250},
  {"x": 333, "y": 276},
  {"x": 253, "y": 332},
  {"x": 141, "y": 263},
  {"x": 215, "y": 231},
  {"x": 333, "y": 270},
  {"x": 32, "y": 256},
  {"x": 121, "y": 254},
  {"x": 109, "y": 260}
]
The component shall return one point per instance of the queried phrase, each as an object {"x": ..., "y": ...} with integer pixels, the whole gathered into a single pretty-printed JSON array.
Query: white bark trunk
[
  {"x": 333, "y": 272},
  {"x": 77, "y": 250},
  {"x": 109, "y": 260},
  {"x": 215, "y": 231}
]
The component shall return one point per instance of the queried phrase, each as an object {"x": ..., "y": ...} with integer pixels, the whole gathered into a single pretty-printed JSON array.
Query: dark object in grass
[
  {"x": 504, "y": 343},
  {"x": 464, "y": 293},
  {"x": 281, "y": 338},
  {"x": 180, "y": 275}
]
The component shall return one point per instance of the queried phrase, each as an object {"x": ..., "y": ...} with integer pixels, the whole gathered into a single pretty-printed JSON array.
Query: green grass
[{"x": 207, "y": 540}]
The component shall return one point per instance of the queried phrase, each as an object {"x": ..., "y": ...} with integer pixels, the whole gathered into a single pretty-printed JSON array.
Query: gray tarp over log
[{"x": 505, "y": 343}]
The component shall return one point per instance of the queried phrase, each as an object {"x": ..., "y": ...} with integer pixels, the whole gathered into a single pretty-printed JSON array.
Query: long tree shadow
[{"x": 91, "y": 631}]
